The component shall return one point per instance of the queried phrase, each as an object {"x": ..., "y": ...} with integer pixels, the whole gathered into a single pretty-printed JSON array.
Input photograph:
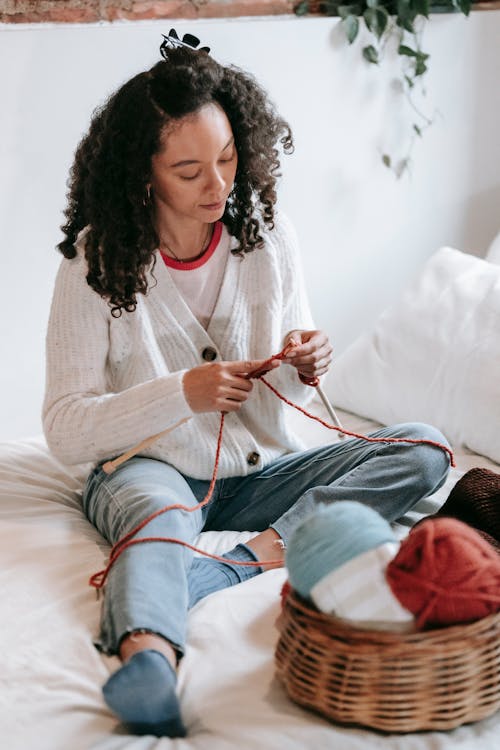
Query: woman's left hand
[{"x": 312, "y": 356}]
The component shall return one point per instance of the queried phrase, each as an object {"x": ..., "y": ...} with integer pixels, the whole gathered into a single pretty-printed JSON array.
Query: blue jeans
[{"x": 147, "y": 587}]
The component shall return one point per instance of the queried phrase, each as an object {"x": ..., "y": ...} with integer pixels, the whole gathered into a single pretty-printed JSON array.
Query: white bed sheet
[{"x": 51, "y": 675}]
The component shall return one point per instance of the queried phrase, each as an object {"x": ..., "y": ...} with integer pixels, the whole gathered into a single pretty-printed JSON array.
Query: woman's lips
[{"x": 214, "y": 206}]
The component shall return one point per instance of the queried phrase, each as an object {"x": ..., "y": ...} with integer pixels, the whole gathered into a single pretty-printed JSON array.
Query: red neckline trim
[{"x": 172, "y": 263}]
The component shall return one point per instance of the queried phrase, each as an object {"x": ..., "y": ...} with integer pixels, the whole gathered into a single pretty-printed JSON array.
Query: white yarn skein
[{"x": 358, "y": 591}]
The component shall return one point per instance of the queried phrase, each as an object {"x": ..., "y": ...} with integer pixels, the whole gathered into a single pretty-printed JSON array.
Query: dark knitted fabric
[{"x": 475, "y": 500}]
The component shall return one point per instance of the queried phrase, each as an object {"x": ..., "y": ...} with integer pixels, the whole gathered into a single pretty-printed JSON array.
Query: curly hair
[{"x": 112, "y": 167}]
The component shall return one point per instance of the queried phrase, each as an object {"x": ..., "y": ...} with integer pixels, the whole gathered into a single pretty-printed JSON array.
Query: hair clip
[{"x": 172, "y": 41}]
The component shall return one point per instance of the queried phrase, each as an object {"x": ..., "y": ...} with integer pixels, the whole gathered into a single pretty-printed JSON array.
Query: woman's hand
[
  {"x": 312, "y": 356},
  {"x": 221, "y": 386}
]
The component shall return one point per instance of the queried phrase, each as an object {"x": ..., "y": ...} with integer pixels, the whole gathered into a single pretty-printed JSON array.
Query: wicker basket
[{"x": 394, "y": 682}]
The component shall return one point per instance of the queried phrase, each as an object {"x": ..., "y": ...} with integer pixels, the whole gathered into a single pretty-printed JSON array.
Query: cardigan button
[
  {"x": 253, "y": 458},
  {"x": 209, "y": 354}
]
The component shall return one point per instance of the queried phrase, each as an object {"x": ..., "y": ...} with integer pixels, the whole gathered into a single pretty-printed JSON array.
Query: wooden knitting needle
[
  {"x": 331, "y": 411},
  {"x": 314, "y": 381},
  {"x": 110, "y": 466}
]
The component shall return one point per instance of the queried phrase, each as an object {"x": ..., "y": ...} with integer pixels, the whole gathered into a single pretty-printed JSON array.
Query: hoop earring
[{"x": 147, "y": 198}]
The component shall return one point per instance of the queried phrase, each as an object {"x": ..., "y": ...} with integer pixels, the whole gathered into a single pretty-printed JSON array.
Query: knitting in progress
[{"x": 98, "y": 580}]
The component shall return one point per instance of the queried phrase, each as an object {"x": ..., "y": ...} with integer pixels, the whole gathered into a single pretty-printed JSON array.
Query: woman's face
[{"x": 194, "y": 172}]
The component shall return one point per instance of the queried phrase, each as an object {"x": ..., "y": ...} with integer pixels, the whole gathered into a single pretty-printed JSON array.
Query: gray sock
[{"x": 142, "y": 694}]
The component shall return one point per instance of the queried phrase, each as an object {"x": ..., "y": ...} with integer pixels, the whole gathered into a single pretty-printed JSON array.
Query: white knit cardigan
[{"x": 112, "y": 382}]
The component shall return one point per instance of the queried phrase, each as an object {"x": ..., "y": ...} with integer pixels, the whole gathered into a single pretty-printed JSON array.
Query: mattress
[{"x": 51, "y": 674}]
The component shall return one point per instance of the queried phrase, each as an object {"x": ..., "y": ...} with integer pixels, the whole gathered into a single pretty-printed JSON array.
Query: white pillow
[
  {"x": 493, "y": 254},
  {"x": 434, "y": 356}
]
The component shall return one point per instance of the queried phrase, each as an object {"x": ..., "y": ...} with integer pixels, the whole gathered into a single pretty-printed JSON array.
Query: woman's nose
[{"x": 215, "y": 180}]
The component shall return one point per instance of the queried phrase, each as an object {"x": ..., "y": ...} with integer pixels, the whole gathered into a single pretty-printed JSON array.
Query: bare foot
[{"x": 267, "y": 547}]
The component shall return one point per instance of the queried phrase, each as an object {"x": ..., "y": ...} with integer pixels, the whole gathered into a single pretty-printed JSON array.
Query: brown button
[
  {"x": 253, "y": 458},
  {"x": 209, "y": 354}
]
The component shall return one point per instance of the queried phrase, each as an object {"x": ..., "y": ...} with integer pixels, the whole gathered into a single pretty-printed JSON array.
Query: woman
[{"x": 179, "y": 279}]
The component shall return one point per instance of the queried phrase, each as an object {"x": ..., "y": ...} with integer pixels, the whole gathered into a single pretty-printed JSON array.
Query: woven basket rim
[{"x": 332, "y": 624}]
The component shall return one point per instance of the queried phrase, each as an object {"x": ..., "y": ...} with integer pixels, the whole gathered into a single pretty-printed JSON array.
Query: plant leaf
[
  {"x": 351, "y": 27},
  {"x": 420, "y": 67},
  {"x": 376, "y": 20},
  {"x": 329, "y": 7},
  {"x": 404, "y": 50},
  {"x": 465, "y": 6},
  {"x": 406, "y": 12},
  {"x": 422, "y": 7},
  {"x": 302, "y": 8},
  {"x": 406, "y": 22},
  {"x": 348, "y": 10},
  {"x": 370, "y": 54},
  {"x": 386, "y": 160},
  {"x": 417, "y": 130},
  {"x": 401, "y": 167}
]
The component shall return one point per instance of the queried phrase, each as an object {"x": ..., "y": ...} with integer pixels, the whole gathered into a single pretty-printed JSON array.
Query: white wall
[{"x": 363, "y": 232}]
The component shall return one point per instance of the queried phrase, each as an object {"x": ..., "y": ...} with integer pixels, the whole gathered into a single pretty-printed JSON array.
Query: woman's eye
[{"x": 222, "y": 161}]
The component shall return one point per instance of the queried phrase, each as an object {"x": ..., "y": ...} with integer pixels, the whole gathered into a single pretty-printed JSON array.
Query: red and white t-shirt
[{"x": 199, "y": 281}]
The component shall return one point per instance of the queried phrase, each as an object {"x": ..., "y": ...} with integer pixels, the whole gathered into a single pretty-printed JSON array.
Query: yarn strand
[
  {"x": 417, "y": 441},
  {"x": 98, "y": 580}
]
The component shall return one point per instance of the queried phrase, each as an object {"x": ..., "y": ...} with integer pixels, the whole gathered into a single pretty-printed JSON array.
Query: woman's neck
[{"x": 184, "y": 242}]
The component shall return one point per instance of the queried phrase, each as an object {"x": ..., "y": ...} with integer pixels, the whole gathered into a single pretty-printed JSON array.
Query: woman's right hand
[{"x": 221, "y": 386}]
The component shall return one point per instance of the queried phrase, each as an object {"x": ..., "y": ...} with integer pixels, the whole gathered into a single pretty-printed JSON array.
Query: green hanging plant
[{"x": 385, "y": 20}]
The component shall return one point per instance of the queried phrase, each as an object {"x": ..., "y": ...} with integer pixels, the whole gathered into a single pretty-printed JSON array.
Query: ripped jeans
[{"x": 147, "y": 587}]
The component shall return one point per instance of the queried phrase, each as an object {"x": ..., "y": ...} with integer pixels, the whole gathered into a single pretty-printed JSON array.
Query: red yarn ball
[{"x": 445, "y": 573}]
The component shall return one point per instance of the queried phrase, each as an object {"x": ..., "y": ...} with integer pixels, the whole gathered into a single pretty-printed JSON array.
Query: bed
[{"x": 51, "y": 674}]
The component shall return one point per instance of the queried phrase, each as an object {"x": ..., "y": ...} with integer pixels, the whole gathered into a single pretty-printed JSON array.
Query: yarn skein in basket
[
  {"x": 330, "y": 537},
  {"x": 337, "y": 557},
  {"x": 433, "y": 679},
  {"x": 446, "y": 573}
]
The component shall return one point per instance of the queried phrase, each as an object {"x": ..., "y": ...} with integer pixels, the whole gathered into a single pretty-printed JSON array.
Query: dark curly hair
[{"x": 112, "y": 167}]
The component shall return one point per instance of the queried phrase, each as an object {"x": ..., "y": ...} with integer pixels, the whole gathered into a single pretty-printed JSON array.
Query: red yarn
[
  {"x": 285, "y": 590},
  {"x": 446, "y": 573},
  {"x": 97, "y": 580}
]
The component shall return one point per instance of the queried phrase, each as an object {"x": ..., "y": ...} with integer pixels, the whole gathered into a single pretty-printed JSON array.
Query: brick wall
[{"x": 85, "y": 11}]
